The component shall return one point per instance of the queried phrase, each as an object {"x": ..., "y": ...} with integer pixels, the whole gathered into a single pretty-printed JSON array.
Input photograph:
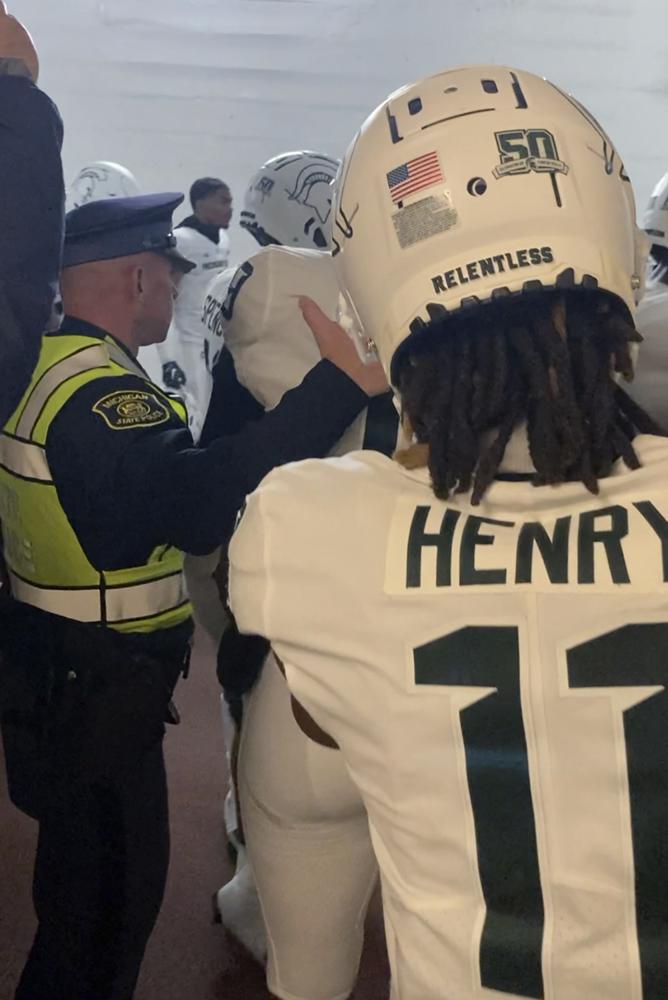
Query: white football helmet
[
  {"x": 655, "y": 222},
  {"x": 289, "y": 201},
  {"x": 101, "y": 180},
  {"x": 473, "y": 184}
]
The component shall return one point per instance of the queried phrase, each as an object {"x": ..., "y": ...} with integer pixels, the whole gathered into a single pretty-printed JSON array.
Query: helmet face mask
[
  {"x": 474, "y": 184},
  {"x": 289, "y": 201},
  {"x": 102, "y": 179}
]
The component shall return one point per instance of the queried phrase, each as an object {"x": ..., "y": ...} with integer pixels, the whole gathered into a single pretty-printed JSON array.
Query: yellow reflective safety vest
[{"x": 47, "y": 566}]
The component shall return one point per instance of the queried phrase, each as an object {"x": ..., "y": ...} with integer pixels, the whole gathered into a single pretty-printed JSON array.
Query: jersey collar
[
  {"x": 516, "y": 466},
  {"x": 211, "y": 232}
]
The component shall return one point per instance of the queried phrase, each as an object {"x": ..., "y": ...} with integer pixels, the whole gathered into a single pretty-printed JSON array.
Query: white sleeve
[
  {"x": 249, "y": 574},
  {"x": 247, "y": 305},
  {"x": 272, "y": 347},
  {"x": 212, "y": 318}
]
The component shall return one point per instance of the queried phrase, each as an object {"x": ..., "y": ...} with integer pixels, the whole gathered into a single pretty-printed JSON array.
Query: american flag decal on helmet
[{"x": 422, "y": 172}]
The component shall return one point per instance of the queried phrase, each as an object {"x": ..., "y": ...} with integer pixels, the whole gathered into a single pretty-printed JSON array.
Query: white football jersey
[
  {"x": 255, "y": 313},
  {"x": 496, "y": 679},
  {"x": 212, "y": 321},
  {"x": 650, "y": 383},
  {"x": 184, "y": 345},
  {"x": 210, "y": 259}
]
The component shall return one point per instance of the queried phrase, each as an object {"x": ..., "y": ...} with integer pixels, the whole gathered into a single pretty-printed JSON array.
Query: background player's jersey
[
  {"x": 650, "y": 384},
  {"x": 256, "y": 315},
  {"x": 210, "y": 259},
  {"x": 496, "y": 679},
  {"x": 214, "y": 312},
  {"x": 178, "y": 363}
]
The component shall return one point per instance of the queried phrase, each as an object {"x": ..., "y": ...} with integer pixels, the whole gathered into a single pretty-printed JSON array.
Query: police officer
[{"x": 101, "y": 491}]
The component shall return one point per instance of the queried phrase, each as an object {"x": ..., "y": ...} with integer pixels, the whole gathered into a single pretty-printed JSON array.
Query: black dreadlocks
[{"x": 547, "y": 359}]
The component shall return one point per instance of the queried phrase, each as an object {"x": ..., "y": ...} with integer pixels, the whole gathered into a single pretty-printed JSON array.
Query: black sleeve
[
  {"x": 128, "y": 490},
  {"x": 31, "y": 229},
  {"x": 231, "y": 406}
]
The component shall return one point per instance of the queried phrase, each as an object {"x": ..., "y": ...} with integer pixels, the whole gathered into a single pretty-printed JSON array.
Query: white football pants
[{"x": 308, "y": 846}]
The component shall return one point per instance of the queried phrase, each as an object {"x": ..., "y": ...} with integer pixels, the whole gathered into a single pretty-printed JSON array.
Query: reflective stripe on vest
[
  {"x": 120, "y": 604},
  {"x": 76, "y": 364},
  {"x": 24, "y": 459},
  {"x": 47, "y": 565}
]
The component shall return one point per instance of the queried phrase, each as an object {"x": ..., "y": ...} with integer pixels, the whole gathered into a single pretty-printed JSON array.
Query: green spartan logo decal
[{"x": 524, "y": 150}]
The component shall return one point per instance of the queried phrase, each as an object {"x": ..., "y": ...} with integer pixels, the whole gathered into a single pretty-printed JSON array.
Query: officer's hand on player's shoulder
[
  {"x": 336, "y": 346},
  {"x": 16, "y": 43}
]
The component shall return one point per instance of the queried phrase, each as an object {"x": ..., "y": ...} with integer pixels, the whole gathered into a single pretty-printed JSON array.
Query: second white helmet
[
  {"x": 473, "y": 184},
  {"x": 655, "y": 222},
  {"x": 289, "y": 201},
  {"x": 102, "y": 179}
]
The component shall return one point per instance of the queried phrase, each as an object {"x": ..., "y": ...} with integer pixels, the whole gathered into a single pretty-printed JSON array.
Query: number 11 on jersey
[{"x": 498, "y": 773}]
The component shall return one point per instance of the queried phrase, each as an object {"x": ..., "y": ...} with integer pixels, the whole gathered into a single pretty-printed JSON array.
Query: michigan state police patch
[{"x": 124, "y": 410}]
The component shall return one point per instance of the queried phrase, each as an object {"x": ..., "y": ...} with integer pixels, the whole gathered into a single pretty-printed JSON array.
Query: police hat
[{"x": 120, "y": 227}]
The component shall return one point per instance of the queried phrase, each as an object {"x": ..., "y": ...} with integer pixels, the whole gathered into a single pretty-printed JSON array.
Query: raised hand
[{"x": 336, "y": 346}]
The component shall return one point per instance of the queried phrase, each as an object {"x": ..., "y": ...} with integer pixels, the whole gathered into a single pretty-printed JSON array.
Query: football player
[
  {"x": 287, "y": 204},
  {"x": 261, "y": 347},
  {"x": 481, "y": 626},
  {"x": 251, "y": 323},
  {"x": 179, "y": 362}
]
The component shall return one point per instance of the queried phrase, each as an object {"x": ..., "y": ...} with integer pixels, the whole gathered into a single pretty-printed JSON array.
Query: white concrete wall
[{"x": 175, "y": 89}]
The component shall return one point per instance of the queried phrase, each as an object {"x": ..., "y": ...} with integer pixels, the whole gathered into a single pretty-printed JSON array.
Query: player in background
[
  {"x": 250, "y": 316},
  {"x": 481, "y": 626},
  {"x": 261, "y": 347},
  {"x": 179, "y": 363},
  {"x": 650, "y": 385},
  {"x": 287, "y": 204},
  {"x": 258, "y": 346}
]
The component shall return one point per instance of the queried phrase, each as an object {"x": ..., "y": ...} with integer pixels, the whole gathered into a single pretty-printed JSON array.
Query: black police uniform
[{"x": 83, "y": 707}]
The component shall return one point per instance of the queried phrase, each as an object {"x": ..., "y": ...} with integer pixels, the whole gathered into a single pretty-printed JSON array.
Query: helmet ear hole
[
  {"x": 477, "y": 187},
  {"x": 319, "y": 239}
]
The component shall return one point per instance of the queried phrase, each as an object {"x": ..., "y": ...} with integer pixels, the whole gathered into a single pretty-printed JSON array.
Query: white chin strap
[{"x": 364, "y": 345}]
